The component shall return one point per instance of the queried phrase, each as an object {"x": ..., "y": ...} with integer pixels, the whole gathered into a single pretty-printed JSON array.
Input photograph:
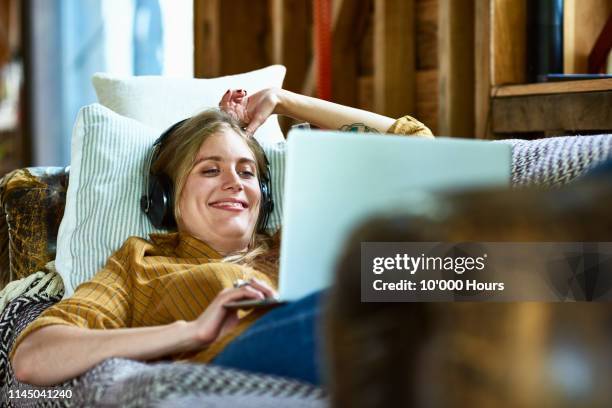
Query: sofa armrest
[{"x": 32, "y": 204}]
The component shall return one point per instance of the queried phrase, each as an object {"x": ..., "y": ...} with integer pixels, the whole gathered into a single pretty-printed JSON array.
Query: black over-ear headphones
[{"x": 158, "y": 202}]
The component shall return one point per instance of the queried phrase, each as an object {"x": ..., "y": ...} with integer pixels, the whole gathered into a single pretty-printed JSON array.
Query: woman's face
[{"x": 220, "y": 201}]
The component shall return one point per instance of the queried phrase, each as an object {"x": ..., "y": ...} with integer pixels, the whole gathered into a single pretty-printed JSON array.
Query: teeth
[{"x": 229, "y": 204}]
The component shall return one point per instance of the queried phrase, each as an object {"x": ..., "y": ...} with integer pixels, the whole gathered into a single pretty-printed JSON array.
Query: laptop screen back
[{"x": 335, "y": 180}]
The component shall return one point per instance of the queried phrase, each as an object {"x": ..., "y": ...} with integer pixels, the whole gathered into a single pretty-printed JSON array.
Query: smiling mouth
[{"x": 229, "y": 205}]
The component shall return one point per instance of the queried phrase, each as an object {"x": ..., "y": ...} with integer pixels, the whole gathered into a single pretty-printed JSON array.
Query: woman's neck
[{"x": 226, "y": 249}]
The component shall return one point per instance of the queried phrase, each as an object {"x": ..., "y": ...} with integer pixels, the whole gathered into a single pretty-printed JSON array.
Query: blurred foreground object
[{"x": 475, "y": 354}]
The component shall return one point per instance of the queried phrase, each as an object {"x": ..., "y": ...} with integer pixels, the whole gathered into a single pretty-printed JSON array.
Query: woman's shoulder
[{"x": 409, "y": 126}]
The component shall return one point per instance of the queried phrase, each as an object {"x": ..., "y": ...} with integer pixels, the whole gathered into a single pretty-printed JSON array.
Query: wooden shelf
[
  {"x": 551, "y": 88},
  {"x": 555, "y": 114},
  {"x": 554, "y": 107},
  {"x": 506, "y": 106}
]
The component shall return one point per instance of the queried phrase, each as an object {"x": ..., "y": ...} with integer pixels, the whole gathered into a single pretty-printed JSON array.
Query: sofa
[{"x": 32, "y": 202}]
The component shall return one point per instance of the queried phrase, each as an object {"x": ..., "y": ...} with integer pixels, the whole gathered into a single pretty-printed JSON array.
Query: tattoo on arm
[{"x": 358, "y": 127}]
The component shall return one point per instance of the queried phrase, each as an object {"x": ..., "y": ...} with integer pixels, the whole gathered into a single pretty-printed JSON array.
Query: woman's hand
[
  {"x": 216, "y": 320},
  {"x": 234, "y": 102},
  {"x": 253, "y": 110}
]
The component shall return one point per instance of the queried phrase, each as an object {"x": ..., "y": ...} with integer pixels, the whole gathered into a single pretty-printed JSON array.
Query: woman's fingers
[
  {"x": 243, "y": 293},
  {"x": 253, "y": 126},
  {"x": 233, "y": 99},
  {"x": 234, "y": 102},
  {"x": 263, "y": 287},
  {"x": 216, "y": 320},
  {"x": 258, "y": 119},
  {"x": 260, "y": 106},
  {"x": 259, "y": 286},
  {"x": 239, "y": 93},
  {"x": 254, "y": 292},
  {"x": 225, "y": 98},
  {"x": 237, "y": 97}
]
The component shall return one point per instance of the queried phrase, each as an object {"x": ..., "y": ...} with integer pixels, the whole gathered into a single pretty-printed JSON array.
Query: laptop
[{"x": 335, "y": 180}]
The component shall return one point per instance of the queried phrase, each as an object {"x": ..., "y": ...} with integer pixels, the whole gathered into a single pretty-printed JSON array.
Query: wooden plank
[
  {"x": 426, "y": 109},
  {"x": 246, "y": 37},
  {"x": 482, "y": 67},
  {"x": 26, "y": 104},
  {"x": 309, "y": 82},
  {"x": 207, "y": 54},
  {"x": 456, "y": 69},
  {"x": 292, "y": 39},
  {"x": 363, "y": 34},
  {"x": 14, "y": 27},
  {"x": 348, "y": 30},
  {"x": 394, "y": 57},
  {"x": 366, "y": 46},
  {"x": 569, "y": 30},
  {"x": 591, "y": 85},
  {"x": 582, "y": 23},
  {"x": 509, "y": 28},
  {"x": 231, "y": 37},
  {"x": 572, "y": 112},
  {"x": 366, "y": 93},
  {"x": 5, "y": 43},
  {"x": 426, "y": 23},
  {"x": 279, "y": 28}
]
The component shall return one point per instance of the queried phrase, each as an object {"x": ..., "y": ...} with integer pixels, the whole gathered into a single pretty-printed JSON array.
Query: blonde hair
[{"x": 176, "y": 158}]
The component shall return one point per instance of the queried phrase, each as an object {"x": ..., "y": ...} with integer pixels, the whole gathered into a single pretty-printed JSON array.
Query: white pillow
[
  {"x": 109, "y": 154},
  {"x": 162, "y": 101}
]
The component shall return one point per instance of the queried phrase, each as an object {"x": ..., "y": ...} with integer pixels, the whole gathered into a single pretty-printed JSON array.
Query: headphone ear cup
[
  {"x": 267, "y": 205},
  {"x": 161, "y": 202},
  {"x": 269, "y": 201}
]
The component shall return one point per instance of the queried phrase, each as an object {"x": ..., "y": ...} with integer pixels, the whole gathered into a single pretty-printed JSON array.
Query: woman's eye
[
  {"x": 210, "y": 172},
  {"x": 247, "y": 173}
]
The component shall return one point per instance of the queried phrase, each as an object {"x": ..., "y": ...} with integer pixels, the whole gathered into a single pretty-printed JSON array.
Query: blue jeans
[{"x": 285, "y": 341}]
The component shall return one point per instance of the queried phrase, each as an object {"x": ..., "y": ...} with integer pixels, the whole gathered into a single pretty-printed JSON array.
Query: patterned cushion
[
  {"x": 32, "y": 205},
  {"x": 555, "y": 161},
  {"x": 15, "y": 317}
]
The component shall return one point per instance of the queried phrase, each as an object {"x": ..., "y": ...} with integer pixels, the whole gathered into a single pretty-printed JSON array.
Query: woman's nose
[{"x": 232, "y": 180}]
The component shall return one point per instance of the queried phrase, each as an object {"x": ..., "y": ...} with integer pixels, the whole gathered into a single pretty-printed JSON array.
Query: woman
[{"x": 165, "y": 298}]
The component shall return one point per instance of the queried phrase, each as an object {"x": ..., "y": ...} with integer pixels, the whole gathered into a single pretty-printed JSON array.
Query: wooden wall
[
  {"x": 394, "y": 57},
  {"x": 14, "y": 135},
  {"x": 9, "y": 29},
  {"x": 583, "y": 21}
]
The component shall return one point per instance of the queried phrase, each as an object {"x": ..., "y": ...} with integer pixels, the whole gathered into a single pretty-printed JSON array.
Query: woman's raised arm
[
  {"x": 254, "y": 110},
  {"x": 328, "y": 115}
]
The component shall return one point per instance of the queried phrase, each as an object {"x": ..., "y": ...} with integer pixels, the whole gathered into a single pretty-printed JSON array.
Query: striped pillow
[{"x": 108, "y": 165}]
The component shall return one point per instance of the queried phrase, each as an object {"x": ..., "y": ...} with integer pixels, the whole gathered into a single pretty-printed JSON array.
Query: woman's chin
[{"x": 232, "y": 230}]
